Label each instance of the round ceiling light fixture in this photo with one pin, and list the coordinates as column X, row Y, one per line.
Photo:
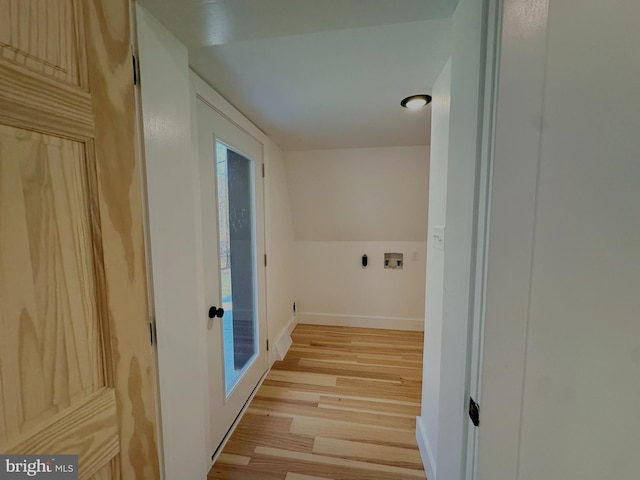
column 414, row 102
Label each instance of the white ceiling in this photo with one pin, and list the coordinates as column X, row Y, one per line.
column 317, row 74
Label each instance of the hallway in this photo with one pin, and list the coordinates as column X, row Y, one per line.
column 340, row 406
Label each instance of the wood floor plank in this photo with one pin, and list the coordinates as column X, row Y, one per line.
column 398, row 361
column 290, row 409
column 224, row 471
column 338, row 462
column 369, row 406
column 283, row 393
column 393, row 371
column 301, row 376
column 354, row 387
column 278, row 465
column 299, row 476
column 265, row 423
column 340, row 406
column 368, row 452
column 349, row 431
column 231, row 459
column 246, row 440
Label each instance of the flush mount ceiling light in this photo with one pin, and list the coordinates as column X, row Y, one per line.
column 415, row 102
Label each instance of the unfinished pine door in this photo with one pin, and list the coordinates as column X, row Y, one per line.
column 75, row 356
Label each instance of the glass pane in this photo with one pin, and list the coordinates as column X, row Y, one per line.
column 237, row 261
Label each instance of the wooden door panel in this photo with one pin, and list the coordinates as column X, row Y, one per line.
column 44, row 36
column 105, row 473
column 32, row 101
column 88, row 429
column 75, row 359
column 52, row 356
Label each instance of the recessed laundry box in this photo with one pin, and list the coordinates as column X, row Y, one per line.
column 393, row 260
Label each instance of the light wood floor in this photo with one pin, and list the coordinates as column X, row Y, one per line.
column 340, row 406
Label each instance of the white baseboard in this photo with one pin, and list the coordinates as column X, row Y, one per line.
column 237, row 420
column 415, row 324
column 282, row 341
column 291, row 326
column 425, row 451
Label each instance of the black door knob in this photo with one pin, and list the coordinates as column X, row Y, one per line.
column 216, row 312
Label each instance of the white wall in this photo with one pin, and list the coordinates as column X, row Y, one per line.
column 171, row 185
column 280, row 245
column 359, row 194
column 427, row 423
column 350, row 202
column 332, row 288
column 561, row 370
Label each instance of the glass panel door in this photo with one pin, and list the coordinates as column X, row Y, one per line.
column 236, row 227
column 232, row 239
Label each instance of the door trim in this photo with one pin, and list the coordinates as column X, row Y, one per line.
column 522, row 39
column 217, row 102
column 481, row 219
column 227, row 117
column 171, row 221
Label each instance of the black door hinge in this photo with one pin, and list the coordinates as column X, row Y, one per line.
column 135, row 69
column 265, row 259
column 474, row 411
column 267, row 344
column 263, row 170
column 151, row 333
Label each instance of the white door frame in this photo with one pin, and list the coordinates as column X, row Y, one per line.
column 170, row 176
column 521, row 50
column 481, row 221
column 462, row 350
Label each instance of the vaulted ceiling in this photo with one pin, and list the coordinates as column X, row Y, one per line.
column 316, row 74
